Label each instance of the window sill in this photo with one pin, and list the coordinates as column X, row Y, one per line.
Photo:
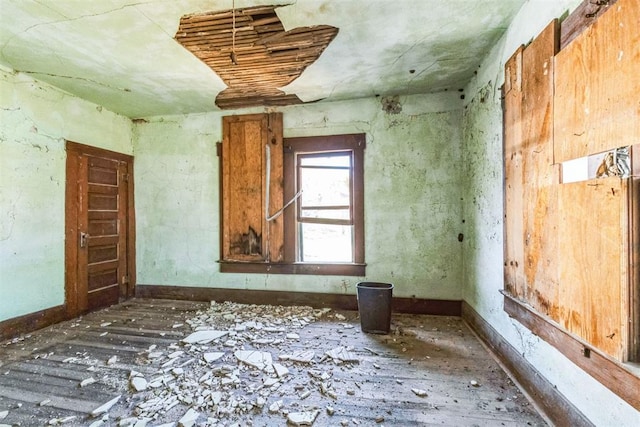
column 293, row 268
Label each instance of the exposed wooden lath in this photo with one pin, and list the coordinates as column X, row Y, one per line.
column 267, row 56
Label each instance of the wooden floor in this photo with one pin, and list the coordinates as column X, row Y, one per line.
column 428, row 371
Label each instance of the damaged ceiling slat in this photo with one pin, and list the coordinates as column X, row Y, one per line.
column 266, row 56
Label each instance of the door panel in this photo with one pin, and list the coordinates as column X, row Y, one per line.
column 98, row 226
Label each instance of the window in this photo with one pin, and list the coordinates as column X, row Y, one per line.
column 326, row 230
column 307, row 217
column 324, row 217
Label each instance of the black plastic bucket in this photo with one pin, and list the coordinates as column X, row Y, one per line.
column 374, row 306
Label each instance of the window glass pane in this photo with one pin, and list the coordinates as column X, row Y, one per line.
column 325, row 243
column 326, row 213
column 343, row 160
column 325, row 187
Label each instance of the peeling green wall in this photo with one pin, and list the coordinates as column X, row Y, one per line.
column 483, row 214
column 412, row 187
column 35, row 120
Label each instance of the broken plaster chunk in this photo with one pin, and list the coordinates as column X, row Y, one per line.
column 189, row 419
column 299, row 356
column 112, row 360
column 212, row 356
column 281, row 371
column 3, row 414
column 204, row 336
column 475, row 383
column 257, row 359
column 330, row 410
column 104, row 408
column 139, row 383
column 419, row 392
column 127, row 422
column 175, row 354
column 87, row 382
column 305, row 418
column 341, row 354
column 216, row 397
column 263, row 341
column 276, row 406
column 293, row 336
column 268, row 382
column 305, row 394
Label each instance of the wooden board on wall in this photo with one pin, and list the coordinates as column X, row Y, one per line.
column 540, row 175
column 593, row 249
column 513, row 164
column 597, row 82
column 246, row 234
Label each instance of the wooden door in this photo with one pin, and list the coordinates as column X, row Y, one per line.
column 99, row 230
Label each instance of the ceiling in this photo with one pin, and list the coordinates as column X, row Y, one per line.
column 124, row 55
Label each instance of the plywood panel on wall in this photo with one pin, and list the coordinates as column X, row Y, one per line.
column 597, row 82
column 593, row 250
column 541, row 176
column 247, row 235
column 514, row 174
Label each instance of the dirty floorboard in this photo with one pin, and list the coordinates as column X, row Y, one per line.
column 265, row 366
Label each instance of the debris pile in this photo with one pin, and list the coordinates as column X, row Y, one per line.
column 235, row 364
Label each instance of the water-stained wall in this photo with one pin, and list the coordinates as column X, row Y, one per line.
column 483, row 214
column 412, row 203
column 36, row 119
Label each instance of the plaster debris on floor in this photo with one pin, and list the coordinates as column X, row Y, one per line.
column 235, row 363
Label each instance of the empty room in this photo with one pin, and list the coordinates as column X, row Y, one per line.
column 319, row 212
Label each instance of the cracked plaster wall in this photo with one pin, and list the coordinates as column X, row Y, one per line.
column 35, row 120
column 412, row 204
column 483, row 214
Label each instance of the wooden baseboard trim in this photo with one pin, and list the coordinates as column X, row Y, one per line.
column 316, row 300
column 11, row 328
column 610, row 373
column 557, row 408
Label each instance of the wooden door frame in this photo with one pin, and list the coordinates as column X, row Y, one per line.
column 74, row 150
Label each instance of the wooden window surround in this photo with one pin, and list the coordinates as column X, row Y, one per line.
column 572, row 250
column 255, row 240
column 350, row 143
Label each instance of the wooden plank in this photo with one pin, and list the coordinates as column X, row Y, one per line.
column 633, row 343
column 513, row 164
column 612, row 374
column 275, row 227
column 583, row 16
column 266, row 56
column 540, row 175
column 593, row 273
column 597, row 80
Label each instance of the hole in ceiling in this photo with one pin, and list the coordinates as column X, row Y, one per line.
column 262, row 56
